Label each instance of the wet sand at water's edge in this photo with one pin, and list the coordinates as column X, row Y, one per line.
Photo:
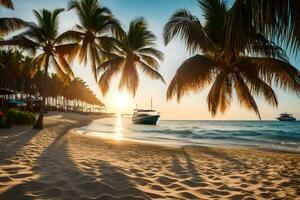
column 56, row 163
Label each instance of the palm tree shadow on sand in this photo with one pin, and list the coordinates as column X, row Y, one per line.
column 189, row 170
column 103, row 182
column 195, row 178
column 14, row 143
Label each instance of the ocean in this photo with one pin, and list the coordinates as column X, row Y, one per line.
column 262, row 134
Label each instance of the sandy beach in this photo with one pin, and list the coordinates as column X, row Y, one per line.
column 56, row 163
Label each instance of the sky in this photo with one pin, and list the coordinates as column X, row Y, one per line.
column 157, row 13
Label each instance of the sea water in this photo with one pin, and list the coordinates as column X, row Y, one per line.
column 263, row 134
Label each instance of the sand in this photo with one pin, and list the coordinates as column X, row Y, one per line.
column 57, row 163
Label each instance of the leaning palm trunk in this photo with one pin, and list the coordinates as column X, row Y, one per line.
column 39, row 123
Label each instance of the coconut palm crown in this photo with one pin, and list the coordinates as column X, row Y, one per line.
column 134, row 51
column 246, row 70
column 93, row 32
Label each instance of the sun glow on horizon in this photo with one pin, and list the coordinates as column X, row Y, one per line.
column 122, row 101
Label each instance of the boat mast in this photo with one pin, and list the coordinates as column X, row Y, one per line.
column 151, row 103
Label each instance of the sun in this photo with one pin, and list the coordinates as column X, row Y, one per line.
column 121, row 100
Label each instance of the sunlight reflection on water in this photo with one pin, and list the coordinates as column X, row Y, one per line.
column 118, row 135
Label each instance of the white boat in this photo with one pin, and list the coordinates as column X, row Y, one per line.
column 286, row 117
column 149, row 117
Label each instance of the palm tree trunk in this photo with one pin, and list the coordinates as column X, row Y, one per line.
column 39, row 122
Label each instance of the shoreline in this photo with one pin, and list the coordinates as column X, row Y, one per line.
column 180, row 143
column 57, row 163
column 196, row 145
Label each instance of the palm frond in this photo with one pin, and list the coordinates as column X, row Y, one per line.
column 259, row 45
column 279, row 20
column 83, row 52
column 47, row 21
column 23, row 43
column 7, row 4
column 107, row 43
column 111, row 62
column 193, row 75
column 64, row 66
column 60, row 73
column 275, row 19
column 150, row 51
column 69, row 50
column 149, row 71
column 220, row 94
column 9, row 25
column 138, row 34
column 70, row 36
column 94, row 59
column 188, row 27
column 215, row 14
column 111, row 71
column 97, row 25
column 240, row 27
column 39, row 61
column 129, row 77
column 244, row 95
column 149, row 60
column 278, row 72
column 251, row 76
column 128, row 51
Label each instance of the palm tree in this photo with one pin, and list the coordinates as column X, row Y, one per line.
column 96, row 23
column 135, row 50
column 276, row 19
column 43, row 37
column 8, row 25
column 248, row 70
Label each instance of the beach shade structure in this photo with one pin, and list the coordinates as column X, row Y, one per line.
column 4, row 91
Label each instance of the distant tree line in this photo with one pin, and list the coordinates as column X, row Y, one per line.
column 19, row 74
